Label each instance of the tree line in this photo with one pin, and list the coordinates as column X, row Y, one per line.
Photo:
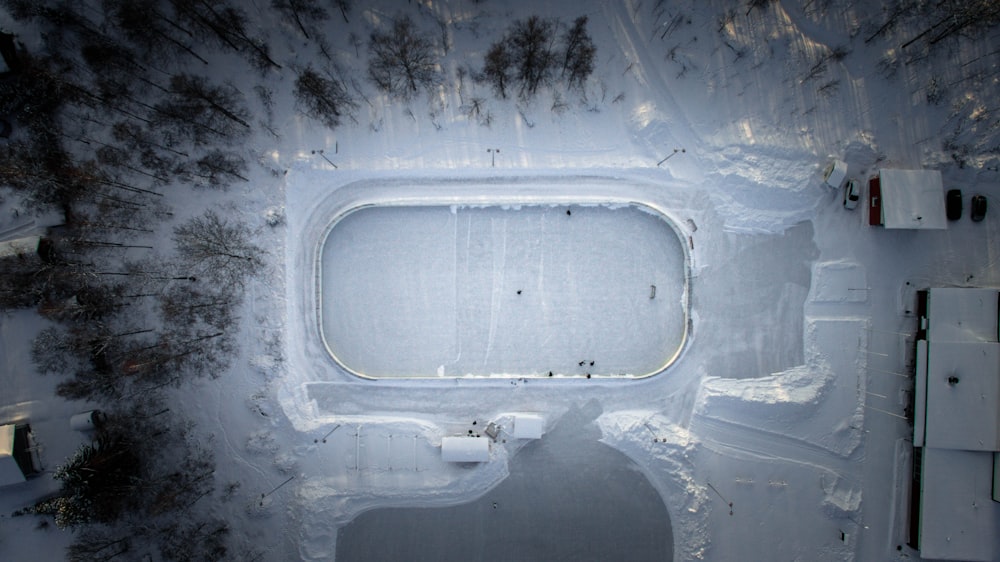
column 111, row 118
column 116, row 113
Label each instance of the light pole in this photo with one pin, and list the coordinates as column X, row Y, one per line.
column 320, row 152
column 676, row 150
column 493, row 152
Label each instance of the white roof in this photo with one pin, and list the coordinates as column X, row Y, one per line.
column 912, row 199
column 835, row 174
column 963, row 414
column 957, row 518
column 528, row 426
column 958, row 423
column 962, row 314
column 10, row 473
column 465, row 449
column 962, row 342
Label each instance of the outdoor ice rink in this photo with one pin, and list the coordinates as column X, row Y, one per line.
column 452, row 291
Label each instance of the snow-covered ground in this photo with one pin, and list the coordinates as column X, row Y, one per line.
column 778, row 432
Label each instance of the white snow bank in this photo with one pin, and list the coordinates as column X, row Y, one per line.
column 797, row 388
column 828, row 390
column 665, row 452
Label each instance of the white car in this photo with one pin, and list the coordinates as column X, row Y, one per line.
column 852, row 194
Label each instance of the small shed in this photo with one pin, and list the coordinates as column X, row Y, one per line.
column 26, row 246
column 835, row 174
column 912, row 199
column 15, row 454
column 465, row 449
column 528, row 426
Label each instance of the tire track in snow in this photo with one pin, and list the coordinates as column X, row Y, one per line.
column 458, row 283
column 498, row 284
column 633, row 47
column 247, row 334
column 742, row 441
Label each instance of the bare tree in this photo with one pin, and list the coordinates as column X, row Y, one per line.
column 762, row 4
column 178, row 354
column 524, row 57
column 216, row 19
column 185, row 539
column 498, row 68
column 402, row 60
column 90, row 303
column 578, row 54
column 322, row 98
column 302, row 12
column 97, row 543
column 29, row 279
column 203, row 111
column 52, row 352
column 955, row 17
column 215, row 248
column 216, row 169
column 189, row 304
column 153, row 30
column 531, row 43
column 344, row 6
column 476, row 109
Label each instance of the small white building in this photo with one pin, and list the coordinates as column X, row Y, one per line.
column 17, row 460
column 955, row 504
column 465, row 449
column 909, row 199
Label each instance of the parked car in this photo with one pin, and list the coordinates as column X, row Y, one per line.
column 978, row 210
column 852, row 194
column 953, row 204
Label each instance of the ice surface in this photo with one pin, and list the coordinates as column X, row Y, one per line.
column 425, row 291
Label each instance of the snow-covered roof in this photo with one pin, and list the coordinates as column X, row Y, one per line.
column 465, row 449
column 963, row 314
column 835, row 174
column 912, row 199
column 962, row 385
column 957, row 517
column 957, row 423
column 18, row 246
column 963, row 394
column 528, row 426
column 10, row 472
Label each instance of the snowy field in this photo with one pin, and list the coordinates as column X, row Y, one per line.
column 779, row 429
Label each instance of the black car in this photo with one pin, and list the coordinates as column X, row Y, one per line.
column 953, row 204
column 978, row 210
